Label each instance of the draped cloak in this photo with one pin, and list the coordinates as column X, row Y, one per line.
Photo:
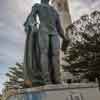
column 32, row 67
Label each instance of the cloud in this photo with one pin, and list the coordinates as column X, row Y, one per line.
column 80, row 7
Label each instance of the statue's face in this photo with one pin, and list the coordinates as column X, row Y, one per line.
column 45, row 1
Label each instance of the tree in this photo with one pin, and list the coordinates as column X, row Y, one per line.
column 15, row 76
column 83, row 53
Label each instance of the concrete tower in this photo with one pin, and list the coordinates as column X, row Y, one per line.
column 63, row 10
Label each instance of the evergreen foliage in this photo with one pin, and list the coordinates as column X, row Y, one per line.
column 15, row 76
column 83, row 53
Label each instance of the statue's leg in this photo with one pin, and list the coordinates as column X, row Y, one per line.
column 56, row 58
column 56, row 64
column 44, row 57
column 44, row 65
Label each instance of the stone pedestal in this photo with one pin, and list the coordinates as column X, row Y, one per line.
column 59, row 92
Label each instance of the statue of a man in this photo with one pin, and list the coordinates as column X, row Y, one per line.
column 43, row 45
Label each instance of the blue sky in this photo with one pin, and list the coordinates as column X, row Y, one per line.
column 12, row 16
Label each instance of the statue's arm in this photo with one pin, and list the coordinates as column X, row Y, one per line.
column 59, row 28
column 31, row 19
column 61, row 33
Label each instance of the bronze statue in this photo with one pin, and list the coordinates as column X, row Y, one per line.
column 41, row 61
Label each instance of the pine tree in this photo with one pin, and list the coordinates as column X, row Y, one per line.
column 15, row 76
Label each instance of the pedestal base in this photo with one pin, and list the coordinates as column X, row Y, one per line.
column 59, row 92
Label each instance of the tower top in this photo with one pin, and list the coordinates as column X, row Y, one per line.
column 62, row 8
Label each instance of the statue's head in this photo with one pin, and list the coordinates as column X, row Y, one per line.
column 45, row 1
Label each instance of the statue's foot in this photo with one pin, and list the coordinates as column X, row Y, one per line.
column 37, row 83
column 27, row 84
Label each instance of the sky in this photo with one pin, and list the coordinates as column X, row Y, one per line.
column 12, row 36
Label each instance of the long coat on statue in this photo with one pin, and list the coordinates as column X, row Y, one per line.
column 32, row 67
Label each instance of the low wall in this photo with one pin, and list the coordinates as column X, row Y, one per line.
column 59, row 92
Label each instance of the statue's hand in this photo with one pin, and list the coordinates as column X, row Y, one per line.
column 65, row 44
column 31, row 28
